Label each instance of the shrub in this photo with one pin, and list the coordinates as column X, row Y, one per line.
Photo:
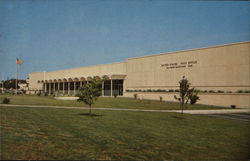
column 211, row 91
column 160, row 90
column 135, row 96
column 239, row 91
column 192, row 95
column 160, row 98
column 219, row 91
column 115, row 95
column 177, row 90
column 246, row 91
column 149, row 90
column 6, row 100
column 171, row 90
column 205, row 91
column 229, row 91
column 127, row 90
column 194, row 99
column 139, row 90
column 233, row 106
column 197, row 90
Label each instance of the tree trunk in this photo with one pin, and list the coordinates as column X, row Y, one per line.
column 90, row 109
column 182, row 103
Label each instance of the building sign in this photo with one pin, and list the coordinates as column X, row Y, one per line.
column 185, row 64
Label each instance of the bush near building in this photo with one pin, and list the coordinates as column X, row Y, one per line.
column 177, row 90
column 5, row 100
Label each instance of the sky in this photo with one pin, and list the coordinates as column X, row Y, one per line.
column 60, row 34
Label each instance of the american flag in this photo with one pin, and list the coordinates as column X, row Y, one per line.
column 19, row 61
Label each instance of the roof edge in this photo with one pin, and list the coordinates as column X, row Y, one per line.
column 187, row 50
column 81, row 67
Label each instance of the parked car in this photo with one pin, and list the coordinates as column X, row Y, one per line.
column 13, row 91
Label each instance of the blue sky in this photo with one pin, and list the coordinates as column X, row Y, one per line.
column 59, row 34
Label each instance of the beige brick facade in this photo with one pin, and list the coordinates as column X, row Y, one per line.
column 224, row 67
column 214, row 68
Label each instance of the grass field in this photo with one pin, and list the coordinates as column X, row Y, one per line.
column 48, row 133
column 104, row 102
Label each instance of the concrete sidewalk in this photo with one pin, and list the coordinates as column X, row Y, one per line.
column 222, row 111
column 198, row 112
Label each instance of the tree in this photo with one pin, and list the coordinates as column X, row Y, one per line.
column 89, row 93
column 186, row 94
column 184, row 90
column 11, row 83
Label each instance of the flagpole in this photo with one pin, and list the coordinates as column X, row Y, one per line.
column 18, row 62
column 16, row 76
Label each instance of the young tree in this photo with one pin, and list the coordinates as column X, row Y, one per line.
column 184, row 90
column 89, row 93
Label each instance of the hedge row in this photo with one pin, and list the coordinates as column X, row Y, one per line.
column 177, row 90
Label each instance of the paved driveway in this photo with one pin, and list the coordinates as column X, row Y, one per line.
column 232, row 116
column 219, row 111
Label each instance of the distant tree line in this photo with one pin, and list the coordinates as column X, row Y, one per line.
column 11, row 83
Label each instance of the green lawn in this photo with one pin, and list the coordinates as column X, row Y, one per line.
column 49, row 133
column 103, row 102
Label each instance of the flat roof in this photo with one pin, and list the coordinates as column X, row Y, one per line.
column 202, row 48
